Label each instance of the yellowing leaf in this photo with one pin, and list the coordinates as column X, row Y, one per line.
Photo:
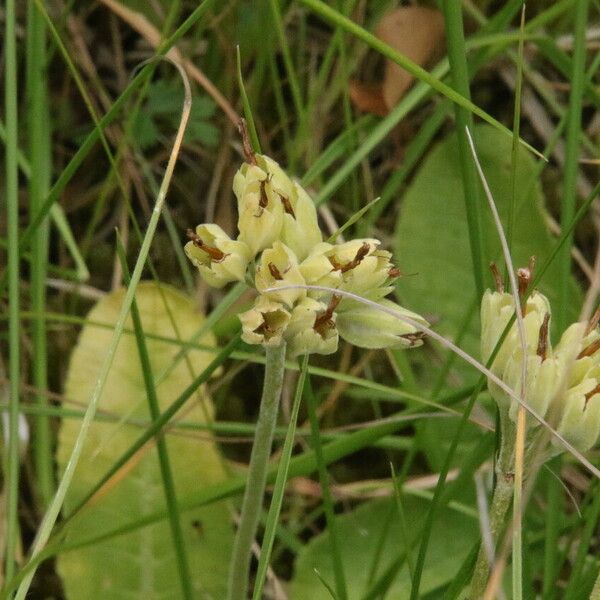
column 417, row 33
column 142, row 564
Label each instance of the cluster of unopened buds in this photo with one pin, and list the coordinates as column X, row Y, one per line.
column 562, row 384
column 280, row 245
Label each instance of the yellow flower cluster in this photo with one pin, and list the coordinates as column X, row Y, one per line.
column 562, row 383
column 280, row 245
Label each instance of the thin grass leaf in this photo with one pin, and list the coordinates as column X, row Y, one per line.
column 510, row 225
column 336, row 556
column 338, row 148
column 463, row 576
column 57, row 214
column 353, row 219
column 403, row 524
column 11, row 457
column 287, row 59
column 583, row 546
column 459, row 74
column 279, row 489
column 439, row 488
column 571, row 166
column 553, row 519
column 38, row 129
column 326, row 584
column 232, row 296
column 517, row 566
column 246, row 104
column 161, row 446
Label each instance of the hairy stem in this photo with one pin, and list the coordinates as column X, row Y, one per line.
column 503, row 494
column 239, row 567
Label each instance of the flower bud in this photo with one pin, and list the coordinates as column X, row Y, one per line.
column 578, row 409
column 364, row 268
column 357, row 266
column 496, row 311
column 317, row 269
column 300, row 230
column 219, row 259
column 544, row 384
column 259, row 189
column 312, row 329
column 368, row 327
column 580, row 412
column 278, row 268
column 545, row 373
column 265, row 322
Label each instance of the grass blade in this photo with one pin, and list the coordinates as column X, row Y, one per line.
column 38, row 129
column 11, row 459
column 280, row 481
column 161, row 445
column 572, row 156
column 459, row 74
column 336, row 557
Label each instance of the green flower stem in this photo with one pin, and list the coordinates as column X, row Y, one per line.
column 503, row 494
column 257, row 475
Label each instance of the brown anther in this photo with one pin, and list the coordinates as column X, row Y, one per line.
column 274, row 272
column 360, row 255
column 542, row 349
column 497, row 277
column 590, row 350
column 287, row 205
column 249, row 154
column 337, row 266
column 591, row 393
column 413, row 338
column 324, row 321
column 215, row 254
column 593, row 322
column 394, row 272
column 263, row 201
column 524, row 279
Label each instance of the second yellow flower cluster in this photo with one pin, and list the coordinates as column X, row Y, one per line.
column 562, row 383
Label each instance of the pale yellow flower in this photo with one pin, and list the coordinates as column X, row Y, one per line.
column 218, row 258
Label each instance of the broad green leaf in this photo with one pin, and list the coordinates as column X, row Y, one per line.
column 142, row 564
column 360, row 532
column 432, row 241
column 432, row 245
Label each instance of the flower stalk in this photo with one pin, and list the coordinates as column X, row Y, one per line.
column 279, row 252
column 501, row 501
column 239, row 567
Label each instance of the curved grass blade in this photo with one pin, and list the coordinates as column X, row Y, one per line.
column 161, row 446
column 53, row 511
